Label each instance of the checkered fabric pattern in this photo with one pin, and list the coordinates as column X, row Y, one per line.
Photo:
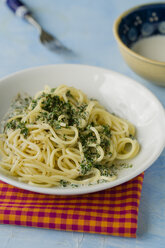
column 113, row 211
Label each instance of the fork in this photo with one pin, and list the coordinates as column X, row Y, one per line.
column 51, row 42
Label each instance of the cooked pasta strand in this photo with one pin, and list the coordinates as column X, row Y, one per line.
column 61, row 137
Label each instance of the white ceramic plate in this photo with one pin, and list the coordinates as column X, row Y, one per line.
column 117, row 93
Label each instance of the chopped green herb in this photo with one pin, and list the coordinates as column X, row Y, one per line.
column 33, row 104
column 85, row 167
column 82, row 107
column 124, row 165
column 11, row 125
column 17, row 124
column 64, row 183
column 131, row 136
column 52, row 90
column 68, row 94
column 74, row 185
column 106, row 130
column 104, row 170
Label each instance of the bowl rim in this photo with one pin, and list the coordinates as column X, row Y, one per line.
column 118, row 39
column 95, row 188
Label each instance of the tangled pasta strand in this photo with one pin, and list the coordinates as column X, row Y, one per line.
column 60, row 137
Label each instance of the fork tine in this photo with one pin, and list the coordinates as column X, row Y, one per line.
column 57, row 48
column 53, row 44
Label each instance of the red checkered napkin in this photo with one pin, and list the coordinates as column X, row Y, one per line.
column 113, row 211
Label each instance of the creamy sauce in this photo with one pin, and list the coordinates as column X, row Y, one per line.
column 151, row 47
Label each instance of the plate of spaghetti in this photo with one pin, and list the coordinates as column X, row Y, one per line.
column 74, row 129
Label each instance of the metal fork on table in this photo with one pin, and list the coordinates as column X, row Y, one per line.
column 51, row 42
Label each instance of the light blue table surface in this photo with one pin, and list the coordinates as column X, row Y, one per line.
column 86, row 27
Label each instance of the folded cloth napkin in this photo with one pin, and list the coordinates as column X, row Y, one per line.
column 113, row 211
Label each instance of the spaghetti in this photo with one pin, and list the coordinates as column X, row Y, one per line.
column 60, row 137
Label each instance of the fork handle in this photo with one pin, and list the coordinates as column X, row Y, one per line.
column 18, row 7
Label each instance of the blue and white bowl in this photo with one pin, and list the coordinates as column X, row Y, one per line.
column 137, row 23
